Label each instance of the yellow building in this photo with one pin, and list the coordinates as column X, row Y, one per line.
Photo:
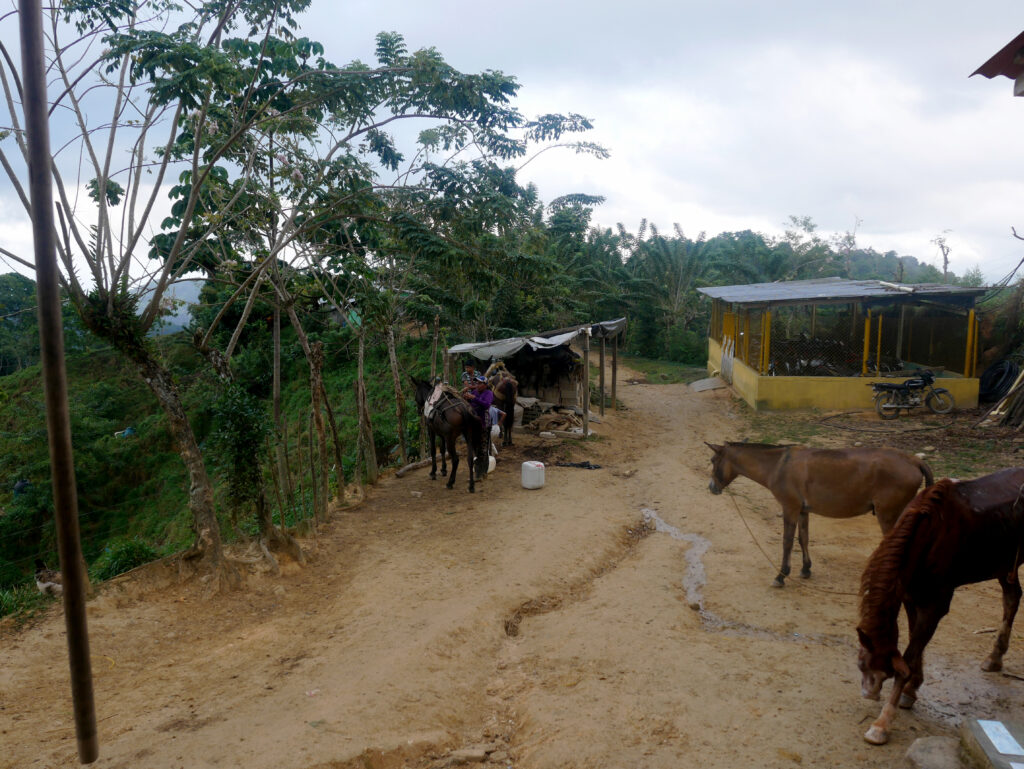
column 819, row 343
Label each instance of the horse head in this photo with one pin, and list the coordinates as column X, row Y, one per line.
column 877, row 664
column 423, row 390
column 722, row 471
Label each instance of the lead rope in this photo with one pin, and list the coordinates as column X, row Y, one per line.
column 803, row 583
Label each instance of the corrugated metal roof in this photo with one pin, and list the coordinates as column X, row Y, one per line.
column 1008, row 61
column 831, row 289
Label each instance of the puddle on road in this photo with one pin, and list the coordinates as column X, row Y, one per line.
column 948, row 693
column 696, row 578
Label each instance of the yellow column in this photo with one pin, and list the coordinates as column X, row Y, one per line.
column 867, row 345
column 878, row 352
column 746, row 337
column 766, row 340
column 969, row 354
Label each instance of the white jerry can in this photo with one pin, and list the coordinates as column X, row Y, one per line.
column 533, row 475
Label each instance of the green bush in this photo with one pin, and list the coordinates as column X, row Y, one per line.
column 119, row 556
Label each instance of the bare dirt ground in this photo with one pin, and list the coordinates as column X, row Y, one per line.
column 618, row 617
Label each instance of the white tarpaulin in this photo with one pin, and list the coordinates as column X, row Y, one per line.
column 502, row 348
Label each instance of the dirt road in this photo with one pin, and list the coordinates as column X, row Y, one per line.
column 618, row 617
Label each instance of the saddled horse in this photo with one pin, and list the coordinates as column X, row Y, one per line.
column 835, row 483
column 505, row 389
column 450, row 418
column 951, row 534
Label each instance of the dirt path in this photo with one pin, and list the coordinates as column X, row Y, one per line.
column 616, row 617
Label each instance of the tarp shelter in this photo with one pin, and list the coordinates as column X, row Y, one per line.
column 575, row 336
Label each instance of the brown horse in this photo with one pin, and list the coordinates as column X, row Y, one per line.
column 951, row 534
column 450, row 418
column 836, row 483
column 505, row 389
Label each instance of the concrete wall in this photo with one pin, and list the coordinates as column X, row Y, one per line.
column 778, row 393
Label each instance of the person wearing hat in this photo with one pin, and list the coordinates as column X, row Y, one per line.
column 468, row 376
column 481, row 398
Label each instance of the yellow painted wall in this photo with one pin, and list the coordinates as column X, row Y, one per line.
column 714, row 356
column 778, row 393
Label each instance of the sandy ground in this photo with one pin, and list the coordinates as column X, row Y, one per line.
column 618, row 617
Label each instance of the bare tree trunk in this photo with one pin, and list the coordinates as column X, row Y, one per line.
column 315, row 358
column 365, row 426
column 208, row 546
column 399, row 395
column 280, row 450
column 272, row 537
column 338, row 451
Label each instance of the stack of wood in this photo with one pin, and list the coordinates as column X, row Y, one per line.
column 1009, row 411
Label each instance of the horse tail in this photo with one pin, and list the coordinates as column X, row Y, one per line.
column 926, row 471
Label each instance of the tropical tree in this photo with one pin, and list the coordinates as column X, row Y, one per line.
column 255, row 126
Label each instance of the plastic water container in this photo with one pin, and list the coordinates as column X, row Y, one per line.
column 533, row 475
column 491, row 464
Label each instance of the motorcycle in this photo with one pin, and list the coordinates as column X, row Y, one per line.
column 890, row 397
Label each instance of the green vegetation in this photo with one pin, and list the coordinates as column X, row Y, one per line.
column 665, row 372
column 335, row 252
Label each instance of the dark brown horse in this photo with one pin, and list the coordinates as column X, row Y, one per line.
column 450, row 418
column 505, row 389
column 951, row 534
column 836, row 483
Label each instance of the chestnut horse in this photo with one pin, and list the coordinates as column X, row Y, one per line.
column 836, row 483
column 951, row 534
column 505, row 389
column 450, row 418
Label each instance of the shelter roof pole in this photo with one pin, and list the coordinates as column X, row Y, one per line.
column 602, row 375
column 615, row 370
column 878, row 352
column 970, row 344
column 867, row 345
column 51, row 340
column 586, row 382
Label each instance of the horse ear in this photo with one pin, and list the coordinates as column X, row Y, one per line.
column 865, row 640
column 713, row 447
column 900, row 665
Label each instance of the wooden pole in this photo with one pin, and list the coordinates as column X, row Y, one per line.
column 586, row 382
column 602, row 375
column 867, row 345
column 878, row 353
column 899, row 332
column 55, row 386
column 615, row 371
column 970, row 344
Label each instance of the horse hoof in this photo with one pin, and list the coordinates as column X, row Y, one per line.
column 449, row 485
column 992, row 666
column 876, row 735
column 779, row 582
column 907, row 701
column 805, row 574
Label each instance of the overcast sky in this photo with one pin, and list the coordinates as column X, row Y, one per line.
column 732, row 115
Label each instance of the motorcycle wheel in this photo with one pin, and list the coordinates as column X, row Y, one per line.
column 885, row 405
column 940, row 400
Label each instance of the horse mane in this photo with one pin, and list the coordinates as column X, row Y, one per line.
column 897, row 555
column 761, row 445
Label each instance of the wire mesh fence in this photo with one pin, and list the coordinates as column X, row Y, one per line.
column 844, row 340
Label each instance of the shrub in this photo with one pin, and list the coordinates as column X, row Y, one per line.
column 120, row 556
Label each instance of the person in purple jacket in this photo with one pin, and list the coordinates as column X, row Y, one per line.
column 481, row 398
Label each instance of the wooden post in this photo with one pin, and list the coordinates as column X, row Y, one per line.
column 586, row 382
column 899, row 332
column 867, row 345
column 878, row 352
column 55, row 386
column 746, row 337
column 602, row 375
column 814, row 320
column 615, row 370
column 766, row 340
column 970, row 344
